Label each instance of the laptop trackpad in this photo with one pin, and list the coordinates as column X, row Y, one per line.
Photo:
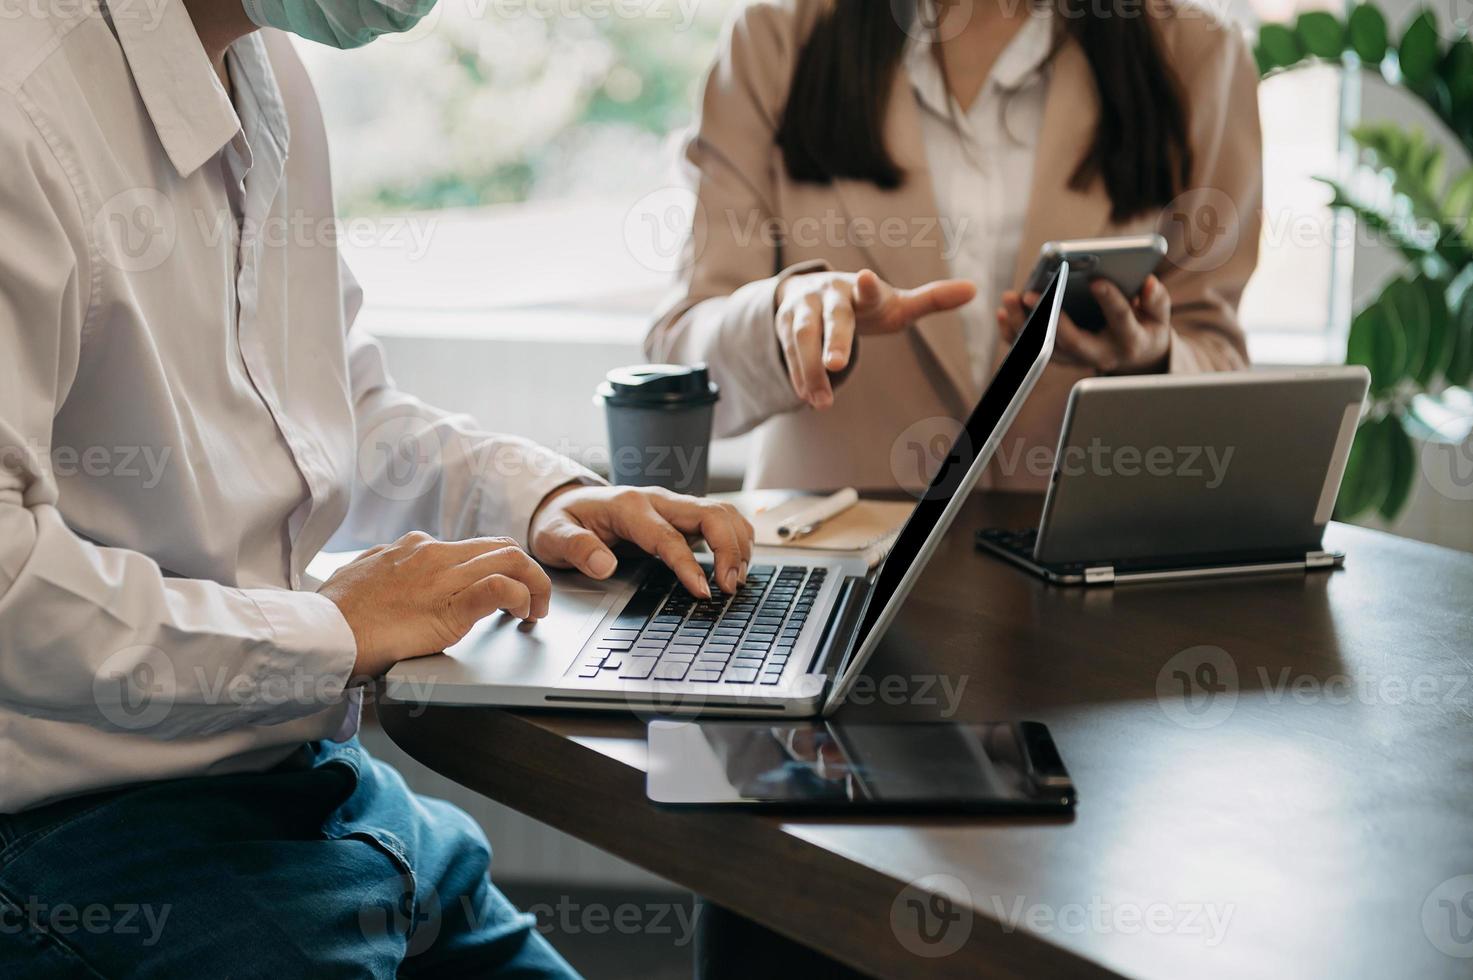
column 501, row 649
column 570, row 621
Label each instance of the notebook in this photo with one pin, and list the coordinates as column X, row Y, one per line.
column 868, row 528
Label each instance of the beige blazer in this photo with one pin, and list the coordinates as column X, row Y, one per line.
column 754, row 225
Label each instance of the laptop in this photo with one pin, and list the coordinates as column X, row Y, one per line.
column 1174, row 477
column 791, row 642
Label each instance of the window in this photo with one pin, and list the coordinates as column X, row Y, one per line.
column 490, row 160
column 1294, row 305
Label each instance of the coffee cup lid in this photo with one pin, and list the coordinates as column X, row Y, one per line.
column 659, row 386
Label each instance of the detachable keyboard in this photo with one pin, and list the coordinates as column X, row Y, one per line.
column 666, row 633
column 1020, row 543
column 1018, row 547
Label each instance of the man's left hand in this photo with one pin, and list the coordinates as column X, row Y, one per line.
column 576, row 526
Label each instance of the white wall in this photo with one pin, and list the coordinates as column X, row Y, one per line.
column 532, row 373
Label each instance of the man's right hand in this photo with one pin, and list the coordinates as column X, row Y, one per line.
column 819, row 314
column 418, row 596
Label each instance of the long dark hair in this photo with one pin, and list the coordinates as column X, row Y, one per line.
column 834, row 122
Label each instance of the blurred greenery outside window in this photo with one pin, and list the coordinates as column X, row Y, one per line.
column 505, row 101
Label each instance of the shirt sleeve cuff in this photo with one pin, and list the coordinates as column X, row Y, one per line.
column 552, row 471
column 313, row 653
column 754, row 306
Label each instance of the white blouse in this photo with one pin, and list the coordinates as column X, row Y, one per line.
column 981, row 164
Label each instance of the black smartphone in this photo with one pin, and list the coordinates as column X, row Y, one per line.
column 992, row 767
column 1126, row 261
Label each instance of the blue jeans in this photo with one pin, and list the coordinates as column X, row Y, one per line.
column 326, row 866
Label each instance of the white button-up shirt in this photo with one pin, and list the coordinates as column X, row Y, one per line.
column 981, row 166
column 186, row 417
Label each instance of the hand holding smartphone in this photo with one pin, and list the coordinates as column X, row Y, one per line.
column 1127, row 261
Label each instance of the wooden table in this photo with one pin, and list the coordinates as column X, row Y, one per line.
column 1310, row 818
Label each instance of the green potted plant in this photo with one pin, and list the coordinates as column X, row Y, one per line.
column 1416, row 337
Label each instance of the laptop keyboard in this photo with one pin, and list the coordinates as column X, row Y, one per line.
column 666, row 633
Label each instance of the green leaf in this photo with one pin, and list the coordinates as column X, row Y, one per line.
column 1321, row 34
column 1417, row 53
column 1413, row 244
column 1367, row 29
column 1433, row 91
column 1414, row 164
column 1456, row 70
column 1377, row 343
column 1279, row 47
column 1264, row 62
column 1431, row 168
column 1460, row 361
column 1367, row 476
column 1406, row 306
column 1440, row 337
column 1400, row 460
column 1457, row 204
column 1386, row 141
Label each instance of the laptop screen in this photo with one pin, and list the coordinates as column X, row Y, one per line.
column 951, row 475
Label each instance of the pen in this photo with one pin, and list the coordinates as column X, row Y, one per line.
column 808, row 520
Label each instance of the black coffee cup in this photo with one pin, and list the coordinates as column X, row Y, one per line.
column 659, row 418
